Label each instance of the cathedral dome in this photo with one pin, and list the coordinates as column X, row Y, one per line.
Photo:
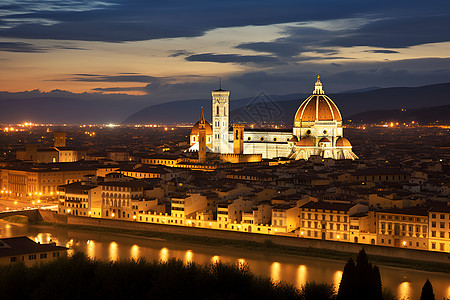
column 293, row 139
column 324, row 140
column 317, row 107
column 305, row 142
column 194, row 130
column 343, row 142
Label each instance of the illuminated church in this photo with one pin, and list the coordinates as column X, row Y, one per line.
column 317, row 131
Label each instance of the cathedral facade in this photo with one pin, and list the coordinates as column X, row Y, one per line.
column 317, row 130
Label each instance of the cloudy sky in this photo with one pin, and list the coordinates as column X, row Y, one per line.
column 171, row 50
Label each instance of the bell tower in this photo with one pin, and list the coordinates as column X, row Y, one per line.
column 220, row 116
column 202, row 138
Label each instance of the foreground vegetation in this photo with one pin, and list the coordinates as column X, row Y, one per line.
column 79, row 277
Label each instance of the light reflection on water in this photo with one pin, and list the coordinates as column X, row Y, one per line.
column 188, row 257
column 405, row 283
column 113, row 251
column 337, row 279
column 275, row 270
column 404, row 291
column 164, row 254
column 134, row 252
column 215, row 259
column 302, row 275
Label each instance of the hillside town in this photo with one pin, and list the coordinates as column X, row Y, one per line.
column 372, row 200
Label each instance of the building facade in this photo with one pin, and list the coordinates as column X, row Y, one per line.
column 317, row 130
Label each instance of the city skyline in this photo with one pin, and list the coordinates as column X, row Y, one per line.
column 178, row 51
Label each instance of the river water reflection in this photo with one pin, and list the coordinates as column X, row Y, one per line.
column 405, row 283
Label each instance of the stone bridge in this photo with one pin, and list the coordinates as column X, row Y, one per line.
column 32, row 214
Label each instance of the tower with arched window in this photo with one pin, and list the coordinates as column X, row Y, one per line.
column 220, row 115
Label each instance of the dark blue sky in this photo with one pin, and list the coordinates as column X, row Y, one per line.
column 170, row 50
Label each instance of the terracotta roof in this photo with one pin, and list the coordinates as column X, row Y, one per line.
column 318, row 108
column 305, row 142
column 194, row 130
column 293, row 139
column 415, row 210
column 343, row 142
column 23, row 245
column 324, row 140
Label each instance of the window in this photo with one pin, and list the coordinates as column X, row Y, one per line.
column 13, row 259
column 433, row 245
column 262, row 139
column 43, row 255
column 32, row 257
column 55, row 254
column 441, row 246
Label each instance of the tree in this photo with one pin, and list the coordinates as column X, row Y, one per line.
column 317, row 291
column 360, row 281
column 348, row 278
column 427, row 291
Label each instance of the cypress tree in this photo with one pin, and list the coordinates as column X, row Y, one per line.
column 360, row 281
column 377, row 284
column 427, row 291
column 348, row 281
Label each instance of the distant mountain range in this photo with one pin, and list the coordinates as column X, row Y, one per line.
column 61, row 107
column 283, row 108
column 425, row 115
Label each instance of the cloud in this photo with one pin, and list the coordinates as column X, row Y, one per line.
column 398, row 32
column 234, row 58
column 137, row 20
column 177, row 53
column 381, row 51
column 119, row 89
column 20, row 47
column 31, row 48
column 121, row 77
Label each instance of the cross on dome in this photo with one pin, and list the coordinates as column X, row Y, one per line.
column 318, row 87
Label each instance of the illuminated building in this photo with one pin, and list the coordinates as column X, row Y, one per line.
column 439, row 227
column 317, row 131
column 58, row 153
column 328, row 221
column 406, row 228
column 42, row 179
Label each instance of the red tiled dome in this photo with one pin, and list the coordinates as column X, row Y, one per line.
column 343, row 142
column 318, row 107
column 293, row 139
column 305, row 142
column 194, row 130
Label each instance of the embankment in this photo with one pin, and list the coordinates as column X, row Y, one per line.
column 288, row 245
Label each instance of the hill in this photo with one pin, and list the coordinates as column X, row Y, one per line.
column 425, row 115
column 281, row 109
column 61, row 107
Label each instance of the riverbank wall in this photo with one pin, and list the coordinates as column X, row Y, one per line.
column 301, row 243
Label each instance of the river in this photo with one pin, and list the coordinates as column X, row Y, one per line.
column 404, row 283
